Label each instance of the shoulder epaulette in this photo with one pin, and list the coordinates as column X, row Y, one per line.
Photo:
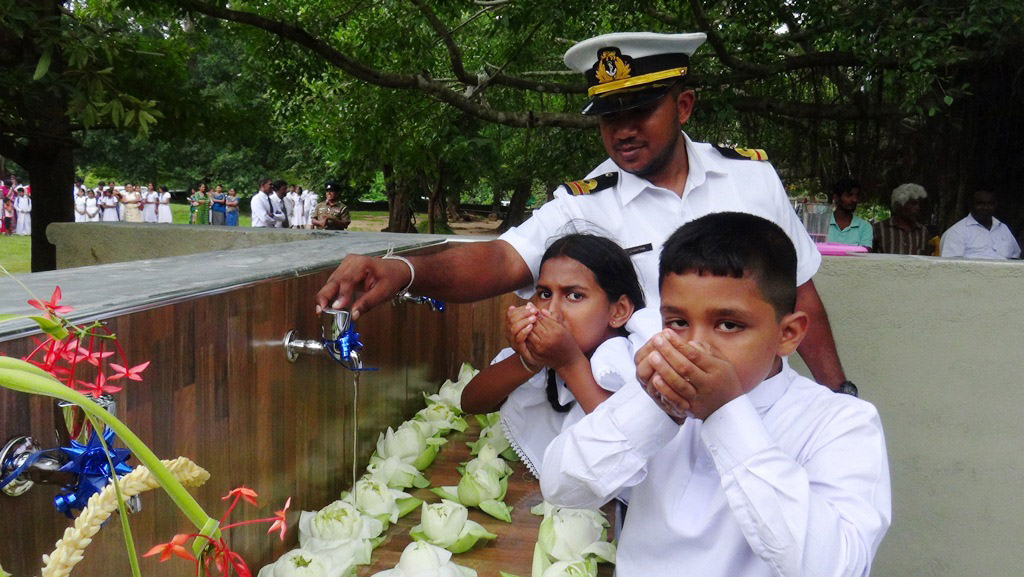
column 742, row 153
column 596, row 184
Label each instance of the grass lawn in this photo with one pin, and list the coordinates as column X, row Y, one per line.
column 15, row 253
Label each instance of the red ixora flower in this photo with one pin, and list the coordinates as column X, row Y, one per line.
column 175, row 546
column 51, row 305
column 280, row 523
column 132, row 373
column 98, row 387
column 243, row 492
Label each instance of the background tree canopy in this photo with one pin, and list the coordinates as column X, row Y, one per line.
column 444, row 99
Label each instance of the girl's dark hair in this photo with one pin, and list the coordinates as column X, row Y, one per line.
column 610, row 264
column 552, row 390
column 613, row 272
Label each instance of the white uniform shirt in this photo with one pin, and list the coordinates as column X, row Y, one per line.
column 788, row 480
column 529, row 421
column 635, row 213
column 970, row 239
column 265, row 213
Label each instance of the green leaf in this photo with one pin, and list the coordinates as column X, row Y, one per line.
column 51, row 327
column 948, row 100
column 407, row 505
column 5, row 318
column 497, row 509
column 44, row 63
column 446, row 493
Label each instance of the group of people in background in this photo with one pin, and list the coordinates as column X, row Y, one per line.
column 978, row 235
column 217, row 207
column 109, row 203
column 278, row 204
column 16, row 211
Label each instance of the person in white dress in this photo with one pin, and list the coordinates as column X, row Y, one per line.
column 293, row 204
column 80, row 199
column 152, row 199
column 309, row 201
column 23, row 206
column 92, row 208
column 163, row 215
column 108, row 205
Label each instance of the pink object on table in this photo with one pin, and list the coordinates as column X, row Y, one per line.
column 837, row 249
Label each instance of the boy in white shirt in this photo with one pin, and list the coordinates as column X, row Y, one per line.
column 739, row 466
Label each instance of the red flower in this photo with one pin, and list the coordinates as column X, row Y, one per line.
column 174, row 547
column 280, row 523
column 132, row 373
column 94, row 358
column 99, row 386
column 51, row 305
column 242, row 492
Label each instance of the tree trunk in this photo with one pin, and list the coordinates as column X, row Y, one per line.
column 399, row 202
column 517, row 205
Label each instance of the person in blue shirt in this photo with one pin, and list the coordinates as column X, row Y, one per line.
column 845, row 227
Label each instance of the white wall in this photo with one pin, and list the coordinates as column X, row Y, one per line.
column 937, row 345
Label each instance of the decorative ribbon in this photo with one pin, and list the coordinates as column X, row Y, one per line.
column 89, row 463
column 341, row 349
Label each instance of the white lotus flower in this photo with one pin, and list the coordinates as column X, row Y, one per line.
column 396, row 474
column 450, row 394
column 421, row 559
column 446, row 524
column 377, row 500
column 488, row 457
column 443, row 417
column 466, row 374
column 572, row 535
column 407, row 443
column 493, row 436
column 481, row 488
column 302, row 563
column 340, row 532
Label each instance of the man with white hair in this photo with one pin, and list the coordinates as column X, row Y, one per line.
column 902, row 233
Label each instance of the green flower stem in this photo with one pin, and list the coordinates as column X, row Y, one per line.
column 27, row 378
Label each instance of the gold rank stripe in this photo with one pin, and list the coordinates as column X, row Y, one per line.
column 636, row 81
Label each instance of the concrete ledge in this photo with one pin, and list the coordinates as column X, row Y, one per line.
column 109, row 290
column 86, row 244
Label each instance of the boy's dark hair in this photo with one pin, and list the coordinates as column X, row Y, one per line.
column 612, row 270
column 735, row 244
column 844, row 184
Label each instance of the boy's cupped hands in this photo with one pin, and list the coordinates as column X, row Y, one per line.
column 685, row 378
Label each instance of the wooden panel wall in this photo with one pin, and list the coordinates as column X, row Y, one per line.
column 221, row 392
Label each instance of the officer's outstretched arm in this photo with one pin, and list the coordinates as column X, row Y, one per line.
column 466, row 272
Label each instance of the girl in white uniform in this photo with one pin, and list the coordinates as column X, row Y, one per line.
column 23, row 206
column 80, row 198
column 92, row 207
column 149, row 209
column 570, row 350
column 163, row 214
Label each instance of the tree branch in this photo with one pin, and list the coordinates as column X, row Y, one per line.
column 11, row 148
column 384, row 79
column 454, row 54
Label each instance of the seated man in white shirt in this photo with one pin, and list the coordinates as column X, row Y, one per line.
column 738, row 465
column 980, row 234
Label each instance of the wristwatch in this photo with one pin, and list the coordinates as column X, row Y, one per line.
column 847, row 388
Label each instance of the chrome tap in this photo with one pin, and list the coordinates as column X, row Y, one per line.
column 337, row 339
